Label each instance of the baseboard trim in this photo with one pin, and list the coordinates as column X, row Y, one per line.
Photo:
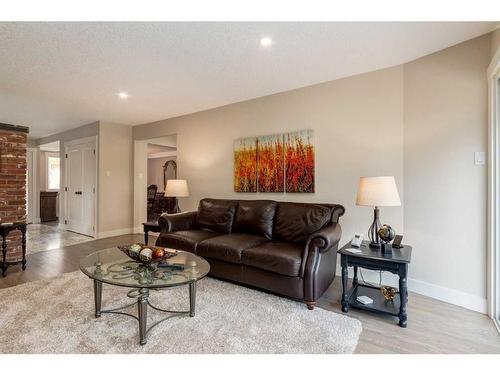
column 453, row 296
column 114, row 233
column 497, row 324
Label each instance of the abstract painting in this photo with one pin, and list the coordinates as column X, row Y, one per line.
column 299, row 162
column 245, row 165
column 270, row 164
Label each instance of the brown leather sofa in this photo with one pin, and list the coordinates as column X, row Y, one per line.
column 286, row 248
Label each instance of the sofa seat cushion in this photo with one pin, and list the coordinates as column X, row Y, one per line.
column 284, row 258
column 187, row 240
column 228, row 248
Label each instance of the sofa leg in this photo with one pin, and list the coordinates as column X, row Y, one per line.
column 310, row 304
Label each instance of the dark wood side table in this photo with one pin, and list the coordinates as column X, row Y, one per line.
column 150, row 226
column 373, row 259
column 5, row 229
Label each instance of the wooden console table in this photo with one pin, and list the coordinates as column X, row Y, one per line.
column 5, row 229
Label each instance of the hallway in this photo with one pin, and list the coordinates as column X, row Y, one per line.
column 43, row 237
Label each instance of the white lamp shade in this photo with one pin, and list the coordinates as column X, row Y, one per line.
column 176, row 188
column 378, row 191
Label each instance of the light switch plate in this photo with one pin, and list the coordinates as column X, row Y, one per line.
column 479, row 158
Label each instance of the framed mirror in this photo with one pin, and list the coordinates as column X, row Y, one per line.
column 169, row 171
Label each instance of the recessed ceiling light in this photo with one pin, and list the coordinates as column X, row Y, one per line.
column 266, row 42
column 123, row 95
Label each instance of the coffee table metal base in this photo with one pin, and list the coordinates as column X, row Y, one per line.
column 142, row 296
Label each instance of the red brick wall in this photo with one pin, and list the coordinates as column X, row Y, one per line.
column 13, row 185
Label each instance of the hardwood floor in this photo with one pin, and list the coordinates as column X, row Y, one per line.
column 433, row 326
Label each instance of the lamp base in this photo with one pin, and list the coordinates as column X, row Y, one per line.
column 177, row 209
column 373, row 230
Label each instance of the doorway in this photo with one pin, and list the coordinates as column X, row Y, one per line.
column 49, row 181
column 45, row 200
column 154, row 161
column 80, row 186
column 162, row 166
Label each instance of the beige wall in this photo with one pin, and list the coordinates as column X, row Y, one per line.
column 89, row 130
column 445, row 100
column 495, row 41
column 358, row 125
column 115, row 179
column 155, row 171
column 421, row 121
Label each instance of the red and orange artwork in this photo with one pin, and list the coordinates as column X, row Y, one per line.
column 245, row 165
column 299, row 162
column 270, row 164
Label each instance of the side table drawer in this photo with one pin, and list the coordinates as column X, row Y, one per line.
column 370, row 264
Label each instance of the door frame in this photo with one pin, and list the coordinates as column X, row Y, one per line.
column 67, row 144
column 493, row 76
column 32, row 194
column 141, row 177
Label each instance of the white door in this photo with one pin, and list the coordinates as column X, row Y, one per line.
column 80, row 187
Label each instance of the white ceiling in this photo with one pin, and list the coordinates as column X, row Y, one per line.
column 57, row 76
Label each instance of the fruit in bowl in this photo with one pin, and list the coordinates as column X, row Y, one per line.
column 135, row 248
column 158, row 252
column 146, row 254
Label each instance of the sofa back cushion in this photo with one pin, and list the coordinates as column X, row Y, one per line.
column 216, row 215
column 294, row 222
column 255, row 217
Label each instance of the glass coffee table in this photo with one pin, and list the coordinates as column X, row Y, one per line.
column 111, row 266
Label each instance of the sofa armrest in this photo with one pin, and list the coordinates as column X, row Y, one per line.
column 175, row 222
column 319, row 261
column 318, row 243
column 324, row 239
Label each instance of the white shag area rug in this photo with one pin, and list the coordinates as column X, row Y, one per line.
column 57, row 316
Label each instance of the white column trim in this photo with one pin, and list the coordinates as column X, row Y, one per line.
column 33, row 188
column 493, row 191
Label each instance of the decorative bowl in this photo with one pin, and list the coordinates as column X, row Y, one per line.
column 388, row 292
column 137, row 256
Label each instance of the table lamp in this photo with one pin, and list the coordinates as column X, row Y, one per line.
column 378, row 192
column 176, row 189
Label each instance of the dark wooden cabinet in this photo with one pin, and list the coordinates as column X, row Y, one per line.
column 48, row 204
